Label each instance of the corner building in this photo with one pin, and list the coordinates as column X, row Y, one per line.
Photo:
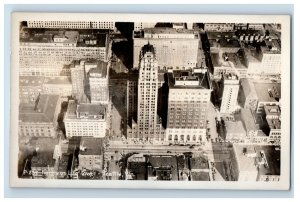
column 189, row 97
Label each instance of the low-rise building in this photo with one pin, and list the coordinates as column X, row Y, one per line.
column 219, row 27
column 40, row 119
column 90, row 155
column 44, row 159
column 85, row 119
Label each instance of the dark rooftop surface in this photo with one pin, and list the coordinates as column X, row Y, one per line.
column 43, row 111
column 199, row 163
column 93, row 146
column 78, row 36
column 200, row 176
column 44, row 154
column 101, row 69
column 273, row 160
column 185, row 75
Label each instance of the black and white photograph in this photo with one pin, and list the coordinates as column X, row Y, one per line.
column 150, row 101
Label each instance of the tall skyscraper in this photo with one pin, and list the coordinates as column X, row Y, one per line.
column 230, row 86
column 189, row 97
column 147, row 94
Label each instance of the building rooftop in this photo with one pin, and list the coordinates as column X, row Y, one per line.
column 272, row 47
column 100, row 71
column 199, row 163
column 25, row 81
column 156, row 32
column 91, row 146
column 245, row 156
column 272, row 110
column 274, row 123
column 79, row 37
column 248, row 120
column 271, row 157
column 268, row 92
column 224, row 59
column 235, row 127
column 248, row 87
column 85, row 111
column 163, row 161
column 44, row 152
column 42, row 111
column 58, row 80
column 188, row 79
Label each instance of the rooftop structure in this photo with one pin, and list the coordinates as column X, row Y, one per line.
column 85, row 111
column 91, row 146
column 268, row 92
column 189, row 79
column 166, row 32
column 83, row 38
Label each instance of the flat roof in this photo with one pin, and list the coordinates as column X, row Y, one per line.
column 101, row 69
column 45, row 150
column 168, row 30
column 163, row 161
column 58, row 80
column 268, row 92
column 201, row 78
column 88, row 110
column 31, row 81
column 272, row 156
column 245, row 163
column 235, row 127
column 199, row 163
column 248, row 120
column 248, row 87
column 93, row 146
column 42, row 111
column 78, row 36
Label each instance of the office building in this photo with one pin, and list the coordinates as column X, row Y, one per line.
column 78, row 78
column 86, row 120
column 149, row 127
column 273, row 118
column 39, row 119
column 98, row 83
column 90, row 155
column 219, row 27
column 230, row 89
column 188, row 100
column 174, row 48
column 71, row 24
column 45, row 52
